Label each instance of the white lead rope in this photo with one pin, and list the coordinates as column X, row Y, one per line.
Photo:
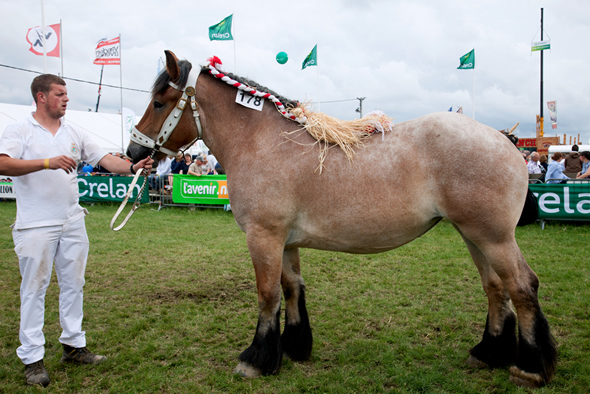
column 136, row 204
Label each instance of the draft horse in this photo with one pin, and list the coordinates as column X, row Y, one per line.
column 394, row 190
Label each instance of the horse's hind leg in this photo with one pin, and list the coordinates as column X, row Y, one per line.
column 498, row 345
column 265, row 354
column 297, row 339
column 537, row 355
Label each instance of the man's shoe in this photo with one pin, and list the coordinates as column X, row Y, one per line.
column 80, row 355
column 35, row 373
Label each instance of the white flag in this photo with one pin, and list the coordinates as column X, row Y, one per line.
column 108, row 52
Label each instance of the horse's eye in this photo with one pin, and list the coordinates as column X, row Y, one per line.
column 158, row 105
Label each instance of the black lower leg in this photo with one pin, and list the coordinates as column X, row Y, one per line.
column 541, row 356
column 297, row 339
column 498, row 351
column 265, row 352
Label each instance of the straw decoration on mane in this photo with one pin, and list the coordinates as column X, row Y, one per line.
column 347, row 134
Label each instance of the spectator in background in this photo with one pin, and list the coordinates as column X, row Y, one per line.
column 206, row 166
column 211, row 159
column 555, row 170
column 533, row 165
column 572, row 161
column 585, row 172
column 543, row 162
column 157, row 180
column 188, row 160
column 175, row 167
column 196, row 168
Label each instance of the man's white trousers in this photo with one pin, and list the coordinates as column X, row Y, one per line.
column 37, row 249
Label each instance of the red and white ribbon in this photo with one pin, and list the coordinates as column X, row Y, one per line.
column 213, row 61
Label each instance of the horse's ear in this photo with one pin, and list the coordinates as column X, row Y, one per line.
column 172, row 65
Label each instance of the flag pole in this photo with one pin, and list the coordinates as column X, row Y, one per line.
column 43, row 37
column 61, row 47
column 318, row 72
column 234, row 40
column 121, row 83
column 473, row 93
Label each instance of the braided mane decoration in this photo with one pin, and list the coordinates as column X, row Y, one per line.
column 324, row 128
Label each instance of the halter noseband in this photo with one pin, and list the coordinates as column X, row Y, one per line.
column 173, row 118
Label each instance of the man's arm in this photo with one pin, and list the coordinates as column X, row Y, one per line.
column 120, row 166
column 16, row 167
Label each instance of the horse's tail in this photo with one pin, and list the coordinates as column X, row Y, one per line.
column 530, row 211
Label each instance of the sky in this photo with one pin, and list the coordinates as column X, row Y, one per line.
column 402, row 56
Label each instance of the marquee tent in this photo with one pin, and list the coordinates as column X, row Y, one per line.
column 105, row 129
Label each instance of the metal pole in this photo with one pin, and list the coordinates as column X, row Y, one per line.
column 360, row 108
column 99, row 88
column 541, row 106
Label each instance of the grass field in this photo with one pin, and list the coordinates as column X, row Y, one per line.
column 171, row 300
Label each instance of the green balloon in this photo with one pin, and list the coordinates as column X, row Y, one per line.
column 282, row 58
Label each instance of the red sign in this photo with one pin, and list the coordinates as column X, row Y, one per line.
column 527, row 143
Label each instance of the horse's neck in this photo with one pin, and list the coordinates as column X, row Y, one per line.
column 232, row 132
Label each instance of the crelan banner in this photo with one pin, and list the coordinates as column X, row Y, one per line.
column 563, row 201
column 206, row 189
column 108, row 188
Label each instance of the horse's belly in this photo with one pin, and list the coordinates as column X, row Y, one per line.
column 364, row 237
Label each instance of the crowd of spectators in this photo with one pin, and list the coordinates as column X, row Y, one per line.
column 576, row 164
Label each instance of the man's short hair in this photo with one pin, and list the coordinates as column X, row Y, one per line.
column 42, row 83
column 575, row 148
column 535, row 154
column 586, row 154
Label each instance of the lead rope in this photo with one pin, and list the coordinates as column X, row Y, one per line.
column 137, row 202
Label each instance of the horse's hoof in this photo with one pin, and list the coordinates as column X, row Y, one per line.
column 246, row 370
column 476, row 363
column 525, row 379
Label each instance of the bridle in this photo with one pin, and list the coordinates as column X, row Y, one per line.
column 188, row 93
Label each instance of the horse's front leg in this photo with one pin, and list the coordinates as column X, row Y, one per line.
column 265, row 354
column 297, row 339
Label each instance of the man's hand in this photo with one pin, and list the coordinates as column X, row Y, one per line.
column 63, row 162
column 145, row 164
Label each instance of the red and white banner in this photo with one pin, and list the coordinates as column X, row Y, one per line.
column 35, row 38
column 108, row 52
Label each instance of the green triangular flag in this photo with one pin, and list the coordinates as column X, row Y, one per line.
column 467, row 61
column 312, row 58
column 222, row 30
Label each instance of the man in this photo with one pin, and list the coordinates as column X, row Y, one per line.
column 585, row 172
column 196, row 168
column 162, row 171
column 533, row 165
column 572, row 161
column 41, row 153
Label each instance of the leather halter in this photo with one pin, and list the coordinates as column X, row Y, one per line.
column 188, row 93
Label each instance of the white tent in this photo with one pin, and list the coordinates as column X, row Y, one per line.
column 105, row 129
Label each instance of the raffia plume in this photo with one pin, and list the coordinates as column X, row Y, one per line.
column 347, row 134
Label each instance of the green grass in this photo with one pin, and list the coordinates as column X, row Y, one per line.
column 171, row 300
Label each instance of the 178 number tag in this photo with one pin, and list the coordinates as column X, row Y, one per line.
column 249, row 101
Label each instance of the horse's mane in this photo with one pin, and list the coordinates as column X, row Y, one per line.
column 286, row 102
column 161, row 82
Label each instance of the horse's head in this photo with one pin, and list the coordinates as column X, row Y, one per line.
column 171, row 121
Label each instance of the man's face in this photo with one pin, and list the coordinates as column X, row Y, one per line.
column 56, row 101
column 534, row 158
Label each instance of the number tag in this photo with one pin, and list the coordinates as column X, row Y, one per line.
column 247, row 100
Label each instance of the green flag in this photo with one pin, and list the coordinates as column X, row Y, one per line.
column 312, row 58
column 467, row 61
column 222, row 30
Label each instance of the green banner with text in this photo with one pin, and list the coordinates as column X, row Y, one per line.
column 109, row 188
column 563, row 201
column 205, row 189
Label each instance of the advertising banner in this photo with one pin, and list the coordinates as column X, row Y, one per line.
column 109, row 188
column 205, row 189
column 563, row 201
column 7, row 189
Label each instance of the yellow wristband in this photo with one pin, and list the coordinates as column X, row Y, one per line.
column 46, row 164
